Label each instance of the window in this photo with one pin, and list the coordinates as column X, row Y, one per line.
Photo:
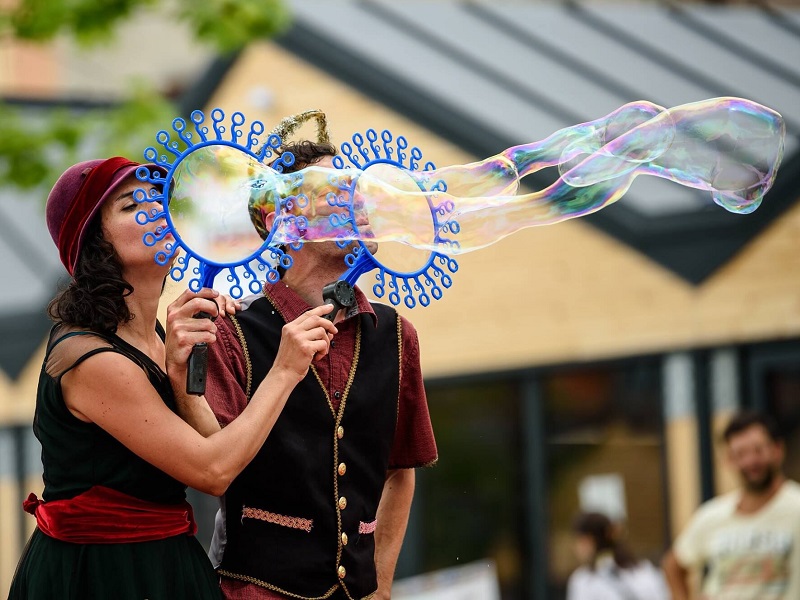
column 469, row 505
column 481, row 500
column 603, row 426
column 774, row 377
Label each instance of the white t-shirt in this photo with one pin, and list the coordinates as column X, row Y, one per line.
column 749, row 557
column 608, row 582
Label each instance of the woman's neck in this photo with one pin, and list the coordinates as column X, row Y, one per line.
column 143, row 307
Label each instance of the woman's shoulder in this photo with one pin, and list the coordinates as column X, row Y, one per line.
column 69, row 346
column 61, row 332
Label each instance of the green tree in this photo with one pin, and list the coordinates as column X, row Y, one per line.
column 36, row 150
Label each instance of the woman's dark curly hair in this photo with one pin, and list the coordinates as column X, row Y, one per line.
column 95, row 298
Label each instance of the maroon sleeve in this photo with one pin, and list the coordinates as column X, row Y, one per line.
column 227, row 374
column 414, row 444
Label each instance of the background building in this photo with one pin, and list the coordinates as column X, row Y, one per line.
column 592, row 361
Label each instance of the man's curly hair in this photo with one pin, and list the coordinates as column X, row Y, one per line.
column 305, row 153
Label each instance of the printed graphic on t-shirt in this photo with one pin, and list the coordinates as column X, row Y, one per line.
column 749, row 565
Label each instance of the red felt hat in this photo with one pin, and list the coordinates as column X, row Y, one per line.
column 78, row 195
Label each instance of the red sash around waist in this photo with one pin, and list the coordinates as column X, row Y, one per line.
column 105, row 516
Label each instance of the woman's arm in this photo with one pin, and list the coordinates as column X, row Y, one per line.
column 197, row 413
column 113, row 392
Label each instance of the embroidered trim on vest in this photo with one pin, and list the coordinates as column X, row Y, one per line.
column 274, row 588
column 248, row 366
column 351, row 377
column 322, row 385
column 271, row 517
column 367, row 527
column 400, row 358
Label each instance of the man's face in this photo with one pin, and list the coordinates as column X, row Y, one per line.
column 756, row 456
column 319, row 208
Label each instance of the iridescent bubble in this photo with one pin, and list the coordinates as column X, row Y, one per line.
column 208, row 202
column 727, row 146
column 730, row 147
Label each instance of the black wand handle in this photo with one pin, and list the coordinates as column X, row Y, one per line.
column 340, row 294
column 197, row 367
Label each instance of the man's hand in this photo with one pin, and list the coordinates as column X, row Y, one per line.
column 227, row 305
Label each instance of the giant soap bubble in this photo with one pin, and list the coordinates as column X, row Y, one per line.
column 729, row 147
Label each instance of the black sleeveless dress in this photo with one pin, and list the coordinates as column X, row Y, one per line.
column 78, row 455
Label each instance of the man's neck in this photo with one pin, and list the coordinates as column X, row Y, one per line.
column 751, row 501
column 308, row 282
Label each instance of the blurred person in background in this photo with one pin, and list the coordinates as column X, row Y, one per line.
column 609, row 570
column 748, row 540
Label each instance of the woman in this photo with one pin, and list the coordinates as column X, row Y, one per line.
column 609, row 571
column 114, row 522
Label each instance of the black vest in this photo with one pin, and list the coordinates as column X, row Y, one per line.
column 317, row 480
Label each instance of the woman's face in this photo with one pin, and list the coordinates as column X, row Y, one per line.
column 118, row 220
column 584, row 548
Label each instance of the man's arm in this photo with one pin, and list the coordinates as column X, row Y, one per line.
column 392, row 517
column 226, row 379
column 677, row 576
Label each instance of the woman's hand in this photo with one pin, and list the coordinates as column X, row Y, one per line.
column 306, row 338
column 184, row 329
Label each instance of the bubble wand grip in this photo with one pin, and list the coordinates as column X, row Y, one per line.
column 197, row 367
column 340, row 294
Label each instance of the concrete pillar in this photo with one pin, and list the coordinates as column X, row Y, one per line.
column 725, row 401
column 682, row 451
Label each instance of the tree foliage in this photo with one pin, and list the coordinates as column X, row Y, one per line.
column 37, row 144
column 231, row 24
column 35, row 148
column 227, row 24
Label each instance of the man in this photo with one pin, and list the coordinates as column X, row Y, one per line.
column 748, row 540
column 322, row 509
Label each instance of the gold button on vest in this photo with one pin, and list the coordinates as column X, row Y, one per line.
column 342, row 469
column 342, row 503
column 344, row 539
column 341, row 572
column 340, row 432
